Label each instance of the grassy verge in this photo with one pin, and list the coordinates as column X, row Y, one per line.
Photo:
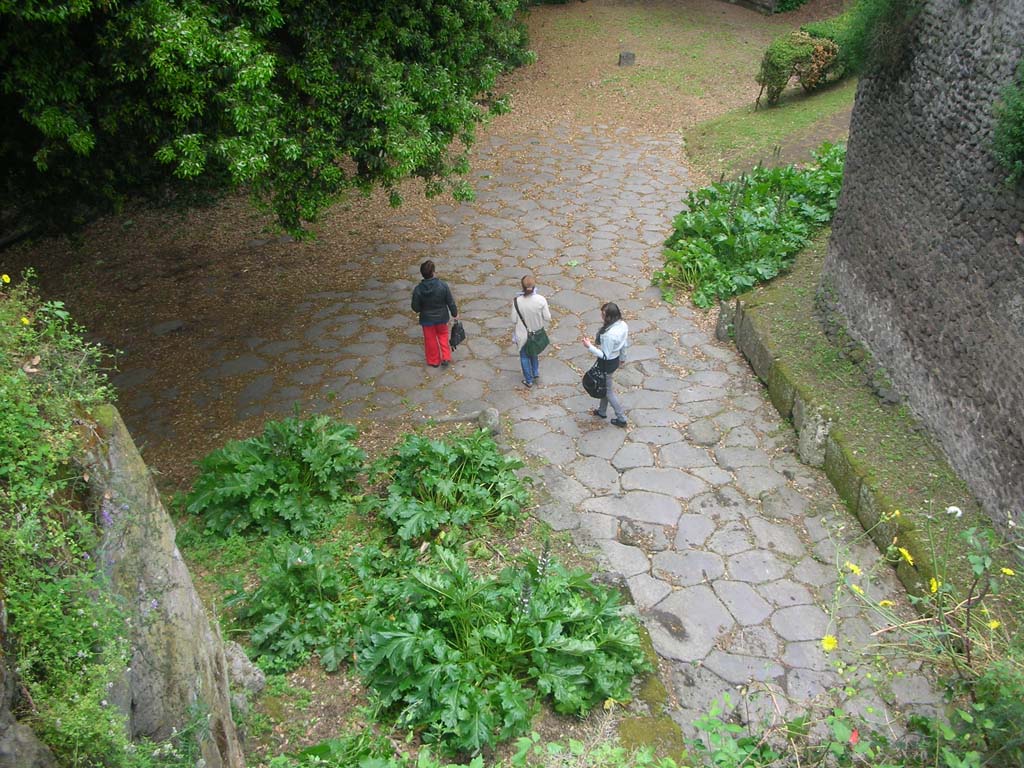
column 884, row 444
column 739, row 140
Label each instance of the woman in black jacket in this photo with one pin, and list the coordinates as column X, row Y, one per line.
column 432, row 298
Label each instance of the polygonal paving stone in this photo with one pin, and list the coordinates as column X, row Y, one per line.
column 807, row 654
column 714, row 476
column 687, row 623
column 637, row 505
column 778, row 538
column 602, row 443
column 693, row 531
column 757, row 567
column 629, row 561
column 684, row 456
column 723, row 505
column 754, row 481
column 559, row 515
column 756, row 640
column 655, row 435
column 632, row 455
column 801, row 622
column 694, row 394
column 814, row 573
column 561, row 486
column 558, row 449
column 696, row 690
column 740, row 670
column 647, row 591
column 647, row 398
column 731, row 539
column 648, row 417
column 785, row 593
column 804, row 685
column 734, row 458
column 598, row 527
column 529, row 430
column 915, row 689
column 647, row 536
column 743, row 602
column 740, row 437
column 689, row 567
column 671, row 482
column 783, row 503
column 595, row 474
column 703, row 432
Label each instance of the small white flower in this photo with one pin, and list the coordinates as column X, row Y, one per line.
column 955, row 511
column 103, row 703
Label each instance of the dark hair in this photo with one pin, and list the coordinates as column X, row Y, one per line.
column 427, row 269
column 611, row 315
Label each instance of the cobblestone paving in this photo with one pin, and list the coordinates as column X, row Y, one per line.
column 728, row 544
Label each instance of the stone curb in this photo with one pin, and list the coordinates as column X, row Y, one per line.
column 822, row 443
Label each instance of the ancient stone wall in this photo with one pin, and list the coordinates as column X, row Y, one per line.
column 926, row 260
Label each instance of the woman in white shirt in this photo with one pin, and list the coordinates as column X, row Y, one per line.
column 609, row 346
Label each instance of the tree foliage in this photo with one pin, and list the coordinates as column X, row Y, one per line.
column 297, row 101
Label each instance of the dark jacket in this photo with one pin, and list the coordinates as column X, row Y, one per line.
column 433, row 300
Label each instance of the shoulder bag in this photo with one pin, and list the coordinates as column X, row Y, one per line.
column 594, row 381
column 536, row 341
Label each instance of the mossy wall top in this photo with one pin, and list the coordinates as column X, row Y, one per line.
column 926, row 260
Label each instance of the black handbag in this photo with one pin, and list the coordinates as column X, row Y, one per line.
column 595, row 381
column 458, row 334
column 536, row 341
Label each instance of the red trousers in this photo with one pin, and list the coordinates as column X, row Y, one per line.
column 435, row 343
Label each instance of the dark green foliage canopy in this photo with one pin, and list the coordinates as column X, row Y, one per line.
column 298, row 100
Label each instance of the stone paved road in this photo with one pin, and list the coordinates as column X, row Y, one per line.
column 722, row 535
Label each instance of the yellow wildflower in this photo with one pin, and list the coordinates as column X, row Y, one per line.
column 906, row 555
column 994, row 624
column 853, row 568
column 895, row 513
column 829, row 643
column 25, row 321
column 934, row 585
column 5, row 278
column 886, row 604
column 857, row 588
column 1007, row 571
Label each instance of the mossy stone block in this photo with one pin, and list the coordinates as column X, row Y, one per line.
column 781, row 389
column 751, row 341
column 842, row 470
column 875, row 512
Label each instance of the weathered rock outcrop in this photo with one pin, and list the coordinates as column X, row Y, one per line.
column 926, row 260
column 178, row 673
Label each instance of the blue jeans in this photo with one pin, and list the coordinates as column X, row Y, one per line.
column 531, row 366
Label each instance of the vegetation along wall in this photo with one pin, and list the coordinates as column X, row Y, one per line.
column 926, row 260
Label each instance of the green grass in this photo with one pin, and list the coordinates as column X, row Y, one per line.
column 899, row 457
column 738, row 140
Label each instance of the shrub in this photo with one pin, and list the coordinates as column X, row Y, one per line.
column 814, row 61
column 788, row 5
column 463, row 658
column 438, row 483
column 735, row 234
column 66, row 633
column 1008, row 140
column 294, row 478
column 299, row 608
